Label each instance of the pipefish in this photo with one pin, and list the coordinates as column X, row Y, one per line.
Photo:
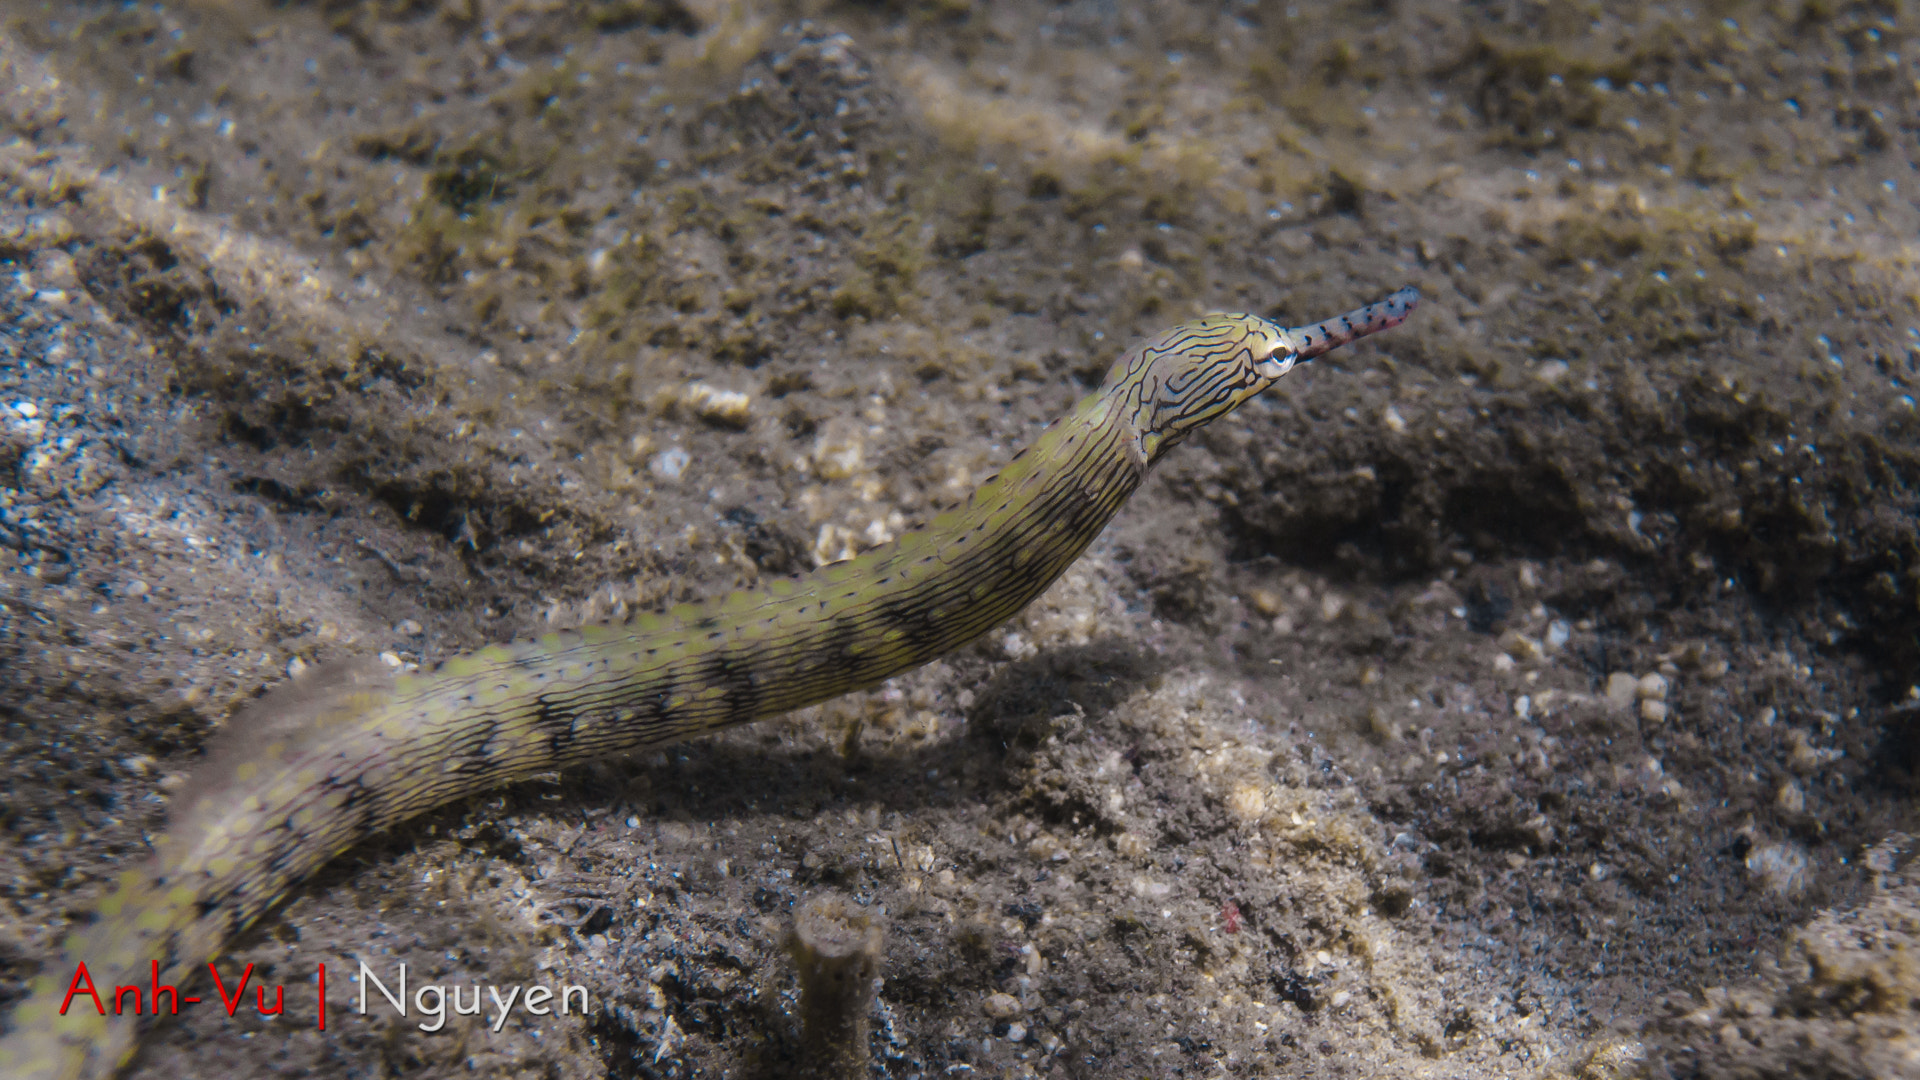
column 318, row 765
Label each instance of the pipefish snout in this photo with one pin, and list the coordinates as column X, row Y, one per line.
column 316, row 766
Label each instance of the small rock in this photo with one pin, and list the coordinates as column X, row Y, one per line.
column 1266, row 601
column 1521, row 647
column 1652, row 687
column 838, row 451
column 1247, row 803
column 1802, row 758
column 409, row 628
column 1047, row 848
column 724, row 408
column 1653, row 712
column 1790, row 798
column 1621, row 689
column 668, row 464
column 296, row 667
column 1779, row 868
column 1002, row 1006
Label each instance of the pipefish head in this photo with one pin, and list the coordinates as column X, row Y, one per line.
column 1197, row 372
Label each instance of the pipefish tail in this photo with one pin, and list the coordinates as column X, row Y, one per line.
column 316, row 766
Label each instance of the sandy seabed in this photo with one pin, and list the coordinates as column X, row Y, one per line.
column 1528, row 691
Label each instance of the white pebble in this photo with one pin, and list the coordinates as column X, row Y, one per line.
column 668, row 464
column 839, row 451
column 1017, row 647
column 409, row 628
column 1780, row 868
column 1652, row 687
column 717, row 406
column 1247, row 802
column 1002, row 1006
column 1016, row 1032
column 296, row 667
column 27, row 409
column 1621, row 688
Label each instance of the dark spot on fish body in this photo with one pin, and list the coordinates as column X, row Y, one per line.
column 741, row 692
column 557, row 722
